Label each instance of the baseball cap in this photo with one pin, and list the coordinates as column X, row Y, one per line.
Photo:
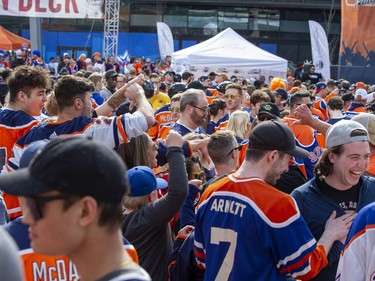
column 368, row 121
column 36, row 52
column 275, row 135
column 75, row 166
column 269, row 108
column 360, row 85
column 110, row 74
column 96, row 54
column 143, row 181
column 360, row 94
column 65, row 55
column 348, row 96
column 171, row 72
column 282, row 92
column 320, row 86
column 18, row 52
column 342, row 133
column 31, row 150
column 196, row 85
column 221, row 87
column 202, row 78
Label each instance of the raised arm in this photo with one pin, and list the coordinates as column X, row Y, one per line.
column 118, row 97
column 303, row 113
column 137, row 96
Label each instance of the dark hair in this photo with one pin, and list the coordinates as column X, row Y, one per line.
column 297, row 97
column 216, row 105
column 69, row 87
column 255, row 154
column 135, row 153
column 259, row 96
column 335, row 103
column 110, row 215
column 324, row 167
column 186, row 75
column 189, row 164
column 25, row 78
column 6, row 73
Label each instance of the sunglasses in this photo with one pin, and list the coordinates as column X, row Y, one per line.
column 226, row 96
column 235, row 148
column 174, row 109
column 36, row 204
column 265, row 117
column 309, row 105
column 200, row 175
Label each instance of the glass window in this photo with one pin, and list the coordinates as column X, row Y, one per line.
column 144, row 20
column 264, row 20
column 236, row 18
column 175, row 21
column 202, row 18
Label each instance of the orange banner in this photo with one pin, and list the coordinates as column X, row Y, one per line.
column 357, row 48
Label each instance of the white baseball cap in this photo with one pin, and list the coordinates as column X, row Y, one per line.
column 360, row 94
column 342, row 133
column 368, row 121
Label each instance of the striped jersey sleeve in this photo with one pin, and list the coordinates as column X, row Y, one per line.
column 357, row 261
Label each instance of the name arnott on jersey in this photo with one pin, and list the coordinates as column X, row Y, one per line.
column 228, row 206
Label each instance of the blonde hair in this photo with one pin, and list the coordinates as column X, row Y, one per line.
column 51, row 105
column 239, row 123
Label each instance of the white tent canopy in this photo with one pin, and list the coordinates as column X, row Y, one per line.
column 229, row 52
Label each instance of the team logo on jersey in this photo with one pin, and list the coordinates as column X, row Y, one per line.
column 53, row 135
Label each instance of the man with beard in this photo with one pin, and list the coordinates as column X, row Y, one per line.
column 240, row 235
column 194, row 111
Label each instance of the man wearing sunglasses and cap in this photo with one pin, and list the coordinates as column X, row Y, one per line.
column 72, row 213
column 241, row 236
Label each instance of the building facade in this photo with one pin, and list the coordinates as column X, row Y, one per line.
column 278, row 26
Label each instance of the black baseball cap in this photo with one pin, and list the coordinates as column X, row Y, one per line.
column 269, row 108
column 202, row 78
column 275, row 135
column 75, row 166
column 171, row 72
column 282, row 92
column 347, row 97
column 197, row 85
column 110, row 74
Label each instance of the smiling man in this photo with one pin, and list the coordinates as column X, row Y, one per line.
column 339, row 184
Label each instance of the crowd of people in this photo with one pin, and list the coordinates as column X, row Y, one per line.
column 136, row 172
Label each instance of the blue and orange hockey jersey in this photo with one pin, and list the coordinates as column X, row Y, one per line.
column 241, row 236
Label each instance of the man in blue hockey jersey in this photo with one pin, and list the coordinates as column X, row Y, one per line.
column 245, row 229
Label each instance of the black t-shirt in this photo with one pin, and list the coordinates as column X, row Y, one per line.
column 347, row 199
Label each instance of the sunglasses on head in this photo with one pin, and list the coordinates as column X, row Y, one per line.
column 235, row 148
